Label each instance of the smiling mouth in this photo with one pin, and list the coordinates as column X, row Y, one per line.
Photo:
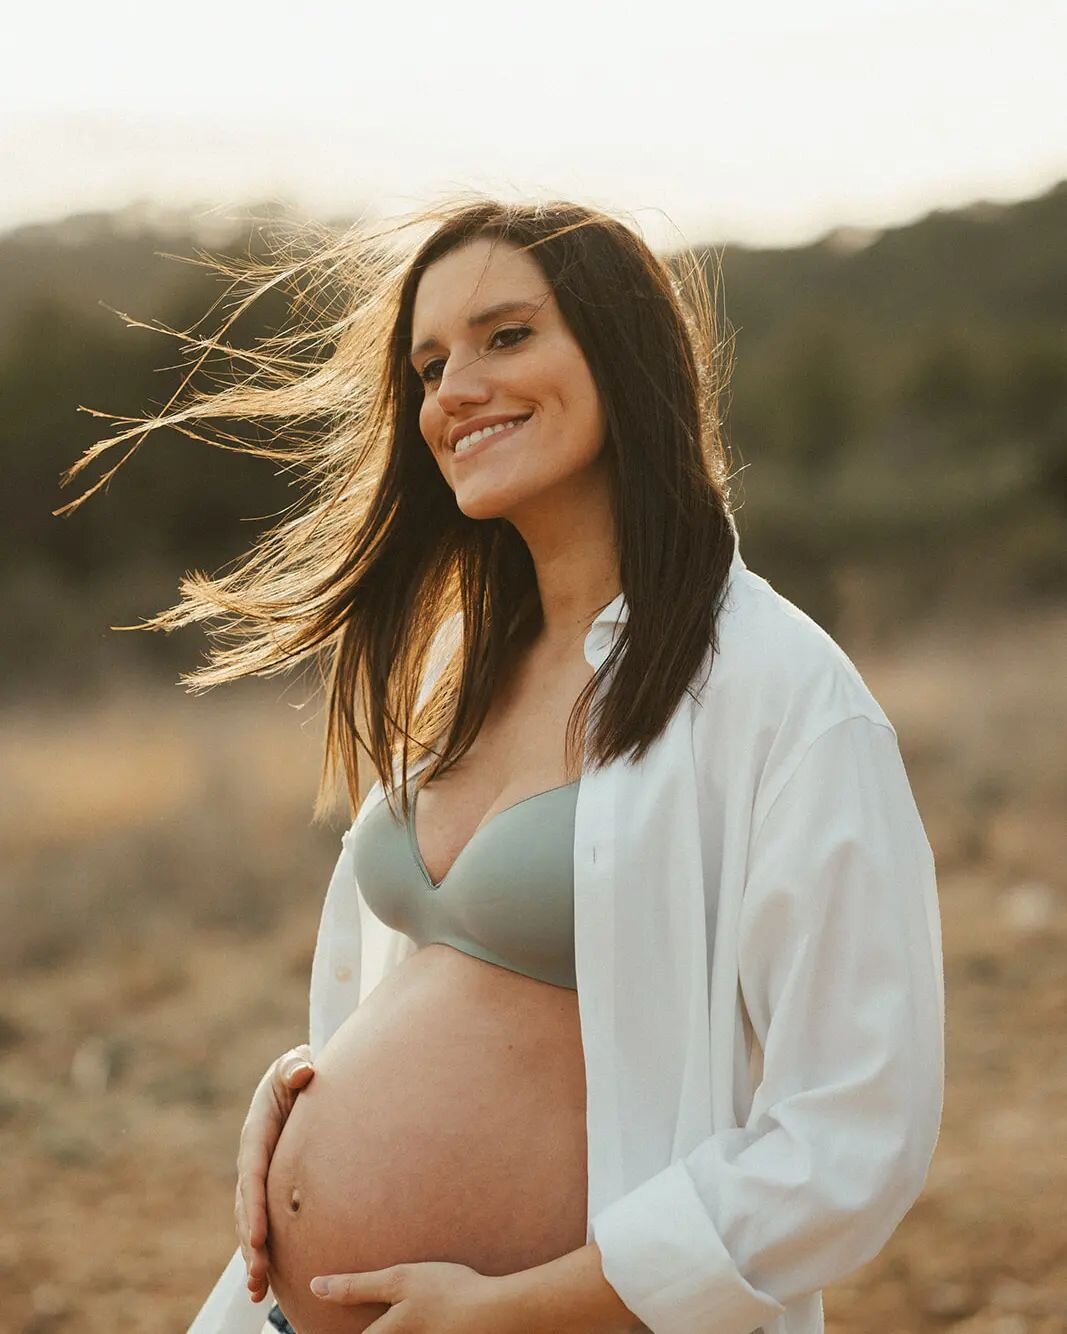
column 490, row 439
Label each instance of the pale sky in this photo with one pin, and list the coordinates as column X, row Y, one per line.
column 762, row 121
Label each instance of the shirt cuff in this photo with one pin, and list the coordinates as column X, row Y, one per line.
column 664, row 1258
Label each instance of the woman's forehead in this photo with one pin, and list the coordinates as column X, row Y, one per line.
column 464, row 290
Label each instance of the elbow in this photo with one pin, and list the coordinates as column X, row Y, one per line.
column 844, row 1233
column 919, row 1123
column 901, row 1135
column 911, row 1167
column 895, row 1179
column 859, row 1197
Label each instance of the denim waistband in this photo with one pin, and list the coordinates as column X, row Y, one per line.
column 276, row 1317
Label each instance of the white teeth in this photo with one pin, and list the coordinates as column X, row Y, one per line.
column 467, row 441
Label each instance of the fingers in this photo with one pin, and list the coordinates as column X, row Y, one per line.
column 257, row 1270
column 250, row 1218
column 260, row 1131
column 300, row 1076
column 257, row 1285
column 294, row 1070
column 255, row 1258
column 252, row 1187
column 241, row 1227
column 270, row 1107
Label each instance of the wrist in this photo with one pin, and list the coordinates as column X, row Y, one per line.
column 569, row 1295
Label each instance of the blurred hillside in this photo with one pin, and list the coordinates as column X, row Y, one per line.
column 897, row 414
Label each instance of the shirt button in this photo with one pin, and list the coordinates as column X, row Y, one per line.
column 343, row 973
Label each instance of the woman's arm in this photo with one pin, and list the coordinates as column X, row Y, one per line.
column 841, row 971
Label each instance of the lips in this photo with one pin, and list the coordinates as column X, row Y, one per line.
column 493, row 437
column 482, row 423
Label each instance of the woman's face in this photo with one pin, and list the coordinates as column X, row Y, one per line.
column 519, row 363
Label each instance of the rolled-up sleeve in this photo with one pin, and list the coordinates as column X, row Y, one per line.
column 840, row 966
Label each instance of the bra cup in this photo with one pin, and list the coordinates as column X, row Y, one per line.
column 383, row 871
column 508, row 897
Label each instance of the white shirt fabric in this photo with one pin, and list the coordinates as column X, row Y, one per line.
column 760, row 985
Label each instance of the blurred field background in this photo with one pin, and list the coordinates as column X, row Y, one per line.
column 898, row 418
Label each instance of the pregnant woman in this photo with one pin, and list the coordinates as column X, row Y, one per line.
column 627, row 1004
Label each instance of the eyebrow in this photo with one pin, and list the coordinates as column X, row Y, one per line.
column 483, row 317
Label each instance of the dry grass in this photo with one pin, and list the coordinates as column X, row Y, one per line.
column 161, row 887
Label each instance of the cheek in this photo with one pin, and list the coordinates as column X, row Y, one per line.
column 587, row 410
column 576, row 389
column 429, row 429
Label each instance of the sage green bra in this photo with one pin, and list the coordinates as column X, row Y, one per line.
column 508, row 898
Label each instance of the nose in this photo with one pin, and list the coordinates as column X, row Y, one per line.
column 463, row 381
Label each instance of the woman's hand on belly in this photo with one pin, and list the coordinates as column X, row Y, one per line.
column 431, row 1295
column 269, row 1110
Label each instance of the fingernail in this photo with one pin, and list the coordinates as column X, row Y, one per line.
column 320, row 1287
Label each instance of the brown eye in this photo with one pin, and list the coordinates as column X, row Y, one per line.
column 522, row 329
column 427, row 374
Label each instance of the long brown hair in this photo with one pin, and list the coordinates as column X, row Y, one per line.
column 363, row 574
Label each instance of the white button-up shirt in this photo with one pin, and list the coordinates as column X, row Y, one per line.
column 760, row 985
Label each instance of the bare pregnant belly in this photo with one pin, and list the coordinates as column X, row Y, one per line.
column 445, row 1121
